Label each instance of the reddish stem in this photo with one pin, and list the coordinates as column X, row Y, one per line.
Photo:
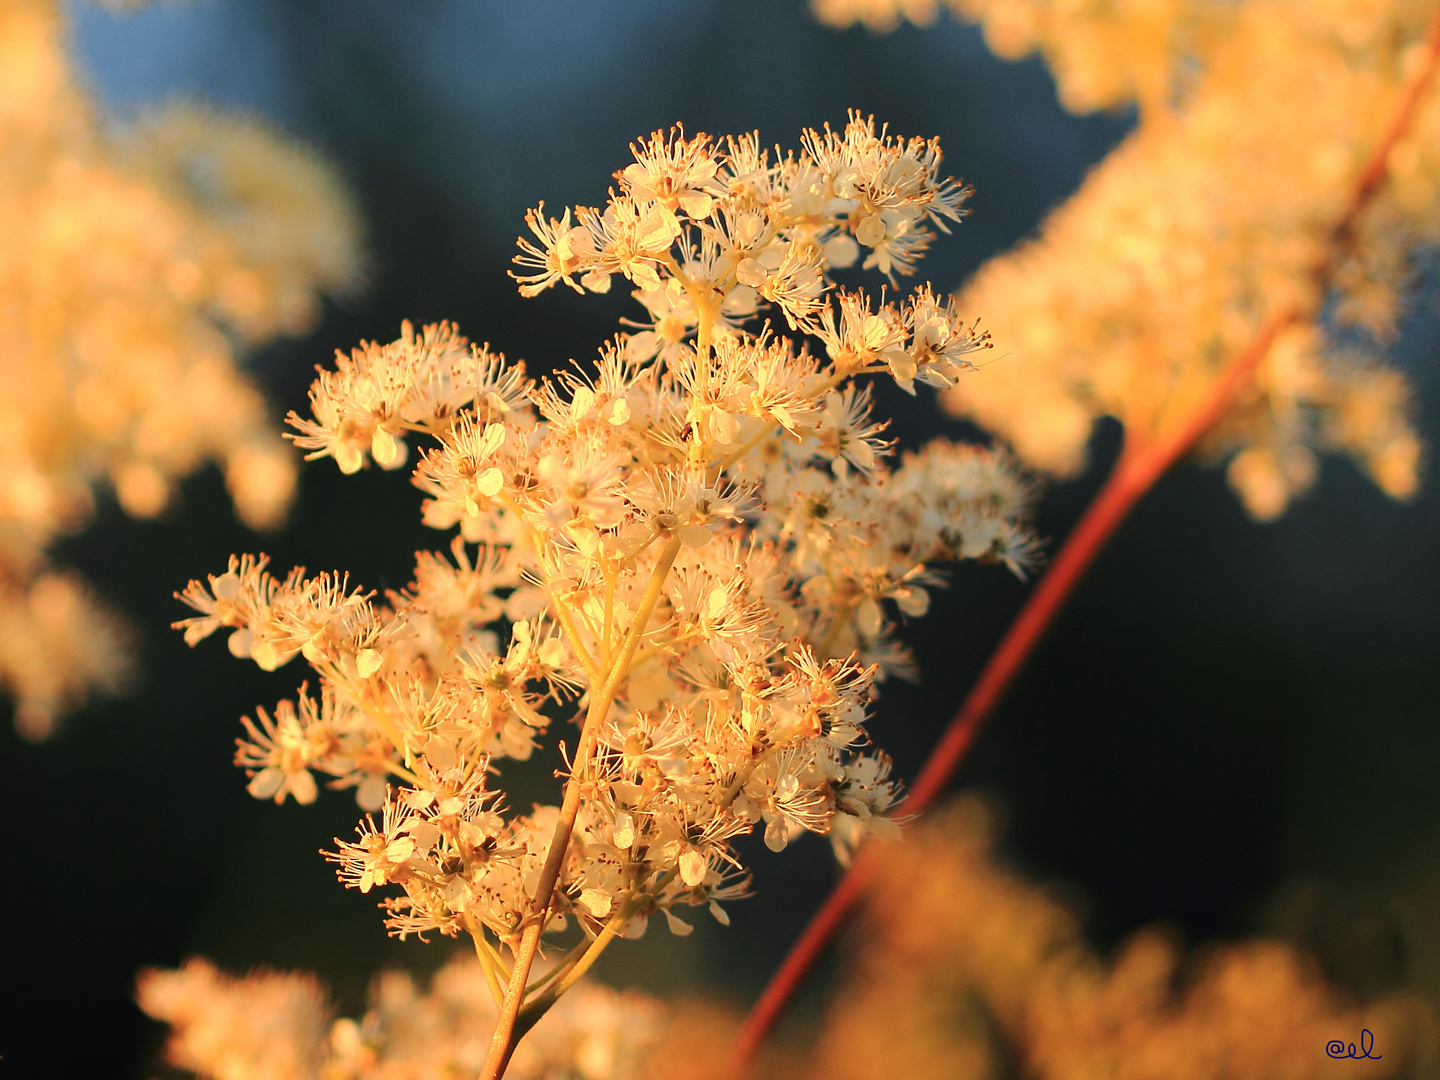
column 1141, row 465
column 1110, row 506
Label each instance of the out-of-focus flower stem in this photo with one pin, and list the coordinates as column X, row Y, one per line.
column 1144, row 460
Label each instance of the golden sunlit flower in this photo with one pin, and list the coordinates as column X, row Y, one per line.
column 699, row 540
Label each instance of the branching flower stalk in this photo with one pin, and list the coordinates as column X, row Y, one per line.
column 695, row 547
column 1145, row 458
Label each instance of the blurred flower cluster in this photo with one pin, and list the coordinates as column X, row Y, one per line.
column 273, row 1026
column 1213, row 215
column 138, row 261
column 697, row 547
column 958, row 970
column 984, row 972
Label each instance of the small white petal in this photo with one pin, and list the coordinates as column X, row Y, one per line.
column 595, row 902
column 624, row 830
column 241, row 642
column 582, row 404
column 725, row 426
column 425, row 834
column 349, row 457
column 302, row 786
column 493, row 438
column 841, row 251
column 440, row 752
column 870, row 231
column 692, row 867
column 490, row 482
column 777, row 835
column 694, row 536
column 225, row 586
column 636, row 927
column 913, row 602
column 265, row 654
column 383, row 447
column 266, row 783
column 868, row 617
column 697, row 204
column 370, row 794
column 751, row 273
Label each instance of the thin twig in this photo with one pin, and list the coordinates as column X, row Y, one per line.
column 492, row 980
column 504, row 1037
column 575, row 969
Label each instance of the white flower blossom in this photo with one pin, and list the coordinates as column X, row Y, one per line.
column 698, row 547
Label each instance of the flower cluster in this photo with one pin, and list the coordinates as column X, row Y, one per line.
column 1211, row 217
column 1104, row 53
column 279, row 1026
column 747, row 228
column 988, row 974
column 134, row 263
column 696, row 547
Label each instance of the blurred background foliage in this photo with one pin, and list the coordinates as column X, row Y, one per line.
column 1233, row 729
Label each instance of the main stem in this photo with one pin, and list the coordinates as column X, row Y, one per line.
column 1141, row 464
column 505, row 1036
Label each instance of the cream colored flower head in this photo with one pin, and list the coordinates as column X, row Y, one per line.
column 698, row 546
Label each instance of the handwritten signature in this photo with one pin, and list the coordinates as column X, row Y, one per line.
column 1338, row 1049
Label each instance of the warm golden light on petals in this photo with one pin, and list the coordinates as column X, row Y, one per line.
column 278, row 1026
column 985, row 968
column 698, row 539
